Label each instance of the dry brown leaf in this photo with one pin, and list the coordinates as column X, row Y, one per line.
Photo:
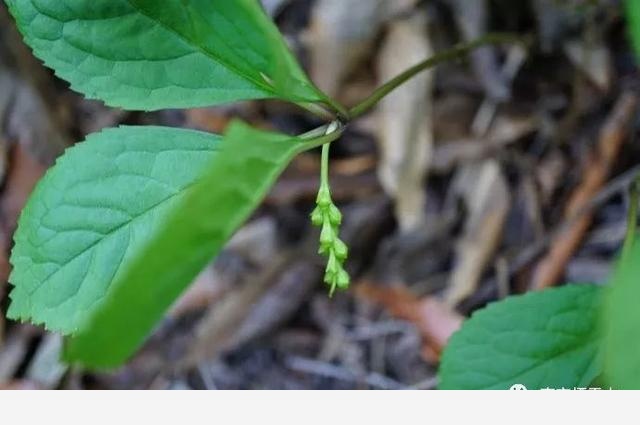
column 257, row 307
column 254, row 242
column 550, row 175
column 435, row 320
column 593, row 60
column 15, row 349
column 486, row 195
column 28, row 122
column 405, row 135
column 341, row 35
column 203, row 292
column 46, row 370
column 505, row 130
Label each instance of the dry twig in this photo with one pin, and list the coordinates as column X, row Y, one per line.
column 596, row 172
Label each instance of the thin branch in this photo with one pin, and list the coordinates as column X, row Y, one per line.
column 446, row 56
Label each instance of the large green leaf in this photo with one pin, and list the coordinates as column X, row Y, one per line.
column 546, row 339
column 238, row 177
column 93, row 212
column 150, row 54
column 622, row 323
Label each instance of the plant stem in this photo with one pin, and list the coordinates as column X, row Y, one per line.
column 345, row 116
column 318, row 110
column 326, row 134
column 342, row 112
column 324, row 166
column 321, row 136
column 446, row 56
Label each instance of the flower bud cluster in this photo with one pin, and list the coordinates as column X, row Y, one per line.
column 327, row 216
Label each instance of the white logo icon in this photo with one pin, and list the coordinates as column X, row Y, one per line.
column 518, row 387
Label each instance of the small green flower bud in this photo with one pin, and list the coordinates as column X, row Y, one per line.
column 327, row 235
column 333, row 265
column 317, row 216
column 324, row 197
column 335, row 216
column 340, row 249
column 343, row 280
column 324, row 249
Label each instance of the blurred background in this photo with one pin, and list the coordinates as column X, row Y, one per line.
column 494, row 175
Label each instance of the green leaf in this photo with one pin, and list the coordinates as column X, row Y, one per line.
column 238, row 177
column 95, row 210
column 150, row 54
column 546, row 339
column 622, row 323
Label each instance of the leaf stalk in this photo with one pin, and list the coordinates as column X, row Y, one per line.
column 446, row 56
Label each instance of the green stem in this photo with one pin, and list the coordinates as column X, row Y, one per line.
column 446, row 56
column 321, row 136
column 318, row 110
column 342, row 112
column 324, row 167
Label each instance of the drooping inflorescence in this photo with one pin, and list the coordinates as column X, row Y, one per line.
column 328, row 217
